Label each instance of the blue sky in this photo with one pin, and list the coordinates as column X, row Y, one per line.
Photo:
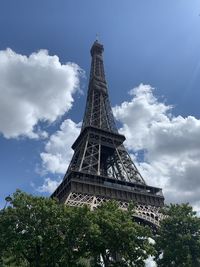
column 154, row 43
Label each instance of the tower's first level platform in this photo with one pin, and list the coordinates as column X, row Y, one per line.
column 78, row 189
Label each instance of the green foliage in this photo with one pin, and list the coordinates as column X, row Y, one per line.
column 116, row 240
column 178, row 240
column 38, row 231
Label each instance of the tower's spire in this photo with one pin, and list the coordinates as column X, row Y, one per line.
column 97, row 67
column 98, row 112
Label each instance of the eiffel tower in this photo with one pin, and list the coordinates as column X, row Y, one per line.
column 101, row 168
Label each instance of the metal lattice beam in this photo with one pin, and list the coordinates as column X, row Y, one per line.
column 147, row 213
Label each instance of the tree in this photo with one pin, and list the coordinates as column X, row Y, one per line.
column 116, row 240
column 37, row 231
column 178, row 239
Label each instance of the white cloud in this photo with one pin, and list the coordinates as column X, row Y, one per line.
column 48, row 186
column 170, row 144
column 34, row 88
column 138, row 115
column 150, row 262
column 58, row 151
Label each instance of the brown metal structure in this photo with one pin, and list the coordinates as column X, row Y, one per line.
column 101, row 168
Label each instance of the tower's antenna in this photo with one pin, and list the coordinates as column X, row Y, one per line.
column 97, row 37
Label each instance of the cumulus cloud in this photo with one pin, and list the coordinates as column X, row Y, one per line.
column 34, row 88
column 150, row 262
column 138, row 115
column 58, row 151
column 170, row 145
column 48, row 186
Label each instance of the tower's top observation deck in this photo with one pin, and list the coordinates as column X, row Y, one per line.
column 96, row 48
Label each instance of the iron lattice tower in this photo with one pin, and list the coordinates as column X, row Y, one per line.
column 101, row 168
